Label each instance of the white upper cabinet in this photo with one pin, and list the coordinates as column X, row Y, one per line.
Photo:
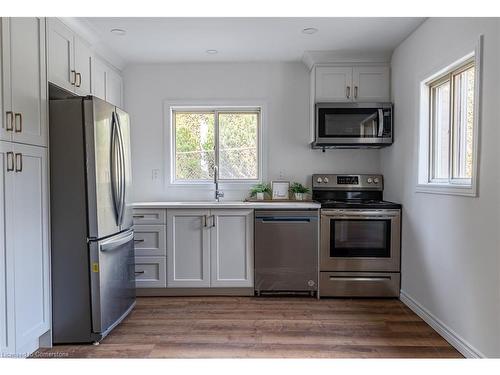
column 363, row 83
column 61, row 57
column 333, row 84
column 73, row 66
column 99, row 78
column 24, row 81
column 231, row 250
column 83, row 67
column 70, row 59
column 107, row 83
column 371, row 84
column 114, row 88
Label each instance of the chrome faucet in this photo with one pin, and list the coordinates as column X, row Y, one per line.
column 218, row 193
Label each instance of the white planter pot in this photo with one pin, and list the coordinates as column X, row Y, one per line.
column 260, row 196
column 299, row 196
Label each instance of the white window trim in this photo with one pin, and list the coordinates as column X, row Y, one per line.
column 169, row 157
column 424, row 183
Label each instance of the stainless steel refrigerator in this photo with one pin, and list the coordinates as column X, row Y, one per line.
column 93, row 281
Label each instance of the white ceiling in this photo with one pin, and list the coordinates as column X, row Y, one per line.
column 155, row 40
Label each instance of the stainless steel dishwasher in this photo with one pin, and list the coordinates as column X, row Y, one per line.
column 286, row 251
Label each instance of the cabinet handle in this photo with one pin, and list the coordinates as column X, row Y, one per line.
column 141, row 240
column 355, row 92
column 78, row 80
column 10, row 161
column 73, row 77
column 19, row 162
column 348, row 92
column 10, row 121
column 204, row 221
column 213, row 221
column 139, row 272
column 20, row 128
column 139, row 216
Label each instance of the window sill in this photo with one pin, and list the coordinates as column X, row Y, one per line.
column 447, row 189
column 211, row 186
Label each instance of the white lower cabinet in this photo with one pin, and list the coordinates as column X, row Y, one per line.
column 209, row 248
column 24, row 248
column 150, row 248
column 150, row 272
column 231, row 248
column 188, row 248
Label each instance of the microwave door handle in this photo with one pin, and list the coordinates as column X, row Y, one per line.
column 366, row 121
column 380, row 123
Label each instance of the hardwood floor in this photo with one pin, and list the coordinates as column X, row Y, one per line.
column 265, row 327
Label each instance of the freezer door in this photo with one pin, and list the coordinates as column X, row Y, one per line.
column 123, row 121
column 103, row 175
column 112, row 280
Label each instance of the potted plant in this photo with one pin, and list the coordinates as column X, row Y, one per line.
column 299, row 190
column 259, row 190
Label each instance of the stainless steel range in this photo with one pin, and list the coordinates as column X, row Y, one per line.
column 360, row 237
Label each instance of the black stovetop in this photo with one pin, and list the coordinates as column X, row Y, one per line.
column 352, row 199
column 359, row 204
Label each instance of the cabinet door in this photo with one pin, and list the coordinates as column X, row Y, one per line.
column 333, row 84
column 150, row 272
column 114, row 88
column 371, row 84
column 83, row 67
column 6, row 263
column 231, row 249
column 30, row 250
column 149, row 240
column 188, row 248
column 25, row 87
column 98, row 78
column 6, row 117
column 61, row 55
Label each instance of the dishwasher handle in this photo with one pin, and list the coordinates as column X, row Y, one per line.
column 284, row 219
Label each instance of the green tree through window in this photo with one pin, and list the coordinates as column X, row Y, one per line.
column 235, row 150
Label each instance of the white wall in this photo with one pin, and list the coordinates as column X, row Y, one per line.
column 451, row 244
column 284, row 87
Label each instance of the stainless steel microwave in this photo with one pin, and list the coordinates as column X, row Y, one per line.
column 353, row 125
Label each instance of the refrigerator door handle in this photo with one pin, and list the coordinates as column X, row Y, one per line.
column 115, row 180
column 122, row 169
column 108, row 246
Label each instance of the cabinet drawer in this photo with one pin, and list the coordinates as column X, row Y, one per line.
column 149, row 216
column 150, row 240
column 359, row 284
column 150, row 272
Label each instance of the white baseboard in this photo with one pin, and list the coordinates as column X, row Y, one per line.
column 447, row 333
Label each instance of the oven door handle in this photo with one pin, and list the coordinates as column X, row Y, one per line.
column 344, row 278
column 364, row 217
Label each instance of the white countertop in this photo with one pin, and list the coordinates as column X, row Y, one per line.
column 229, row 204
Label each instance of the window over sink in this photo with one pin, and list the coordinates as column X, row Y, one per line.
column 207, row 137
column 449, row 129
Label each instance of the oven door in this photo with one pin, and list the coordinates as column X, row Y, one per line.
column 360, row 240
column 350, row 124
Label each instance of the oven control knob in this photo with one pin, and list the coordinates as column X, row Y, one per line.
column 319, row 180
column 376, row 180
column 370, row 180
column 325, row 180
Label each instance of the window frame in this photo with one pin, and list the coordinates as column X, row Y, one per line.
column 216, row 110
column 426, row 182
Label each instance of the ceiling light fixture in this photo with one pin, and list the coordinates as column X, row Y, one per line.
column 310, row 30
column 118, row 31
column 212, row 51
